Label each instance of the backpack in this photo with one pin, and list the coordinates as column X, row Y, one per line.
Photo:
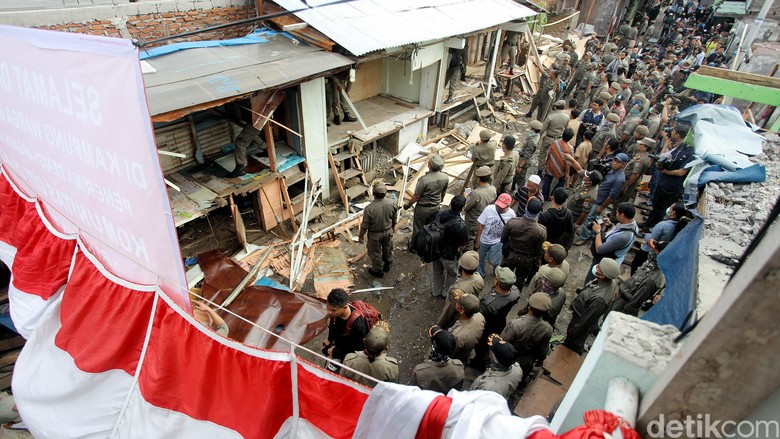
column 429, row 240
column 369, row 313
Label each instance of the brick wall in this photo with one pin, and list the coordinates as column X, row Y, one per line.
column 147, row 27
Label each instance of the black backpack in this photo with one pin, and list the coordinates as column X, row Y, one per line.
column 430, row 239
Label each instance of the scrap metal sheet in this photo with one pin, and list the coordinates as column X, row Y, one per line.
column 294, row 316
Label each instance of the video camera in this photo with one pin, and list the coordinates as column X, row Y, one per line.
column 602, row 164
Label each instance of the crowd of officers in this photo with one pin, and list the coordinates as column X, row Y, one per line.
column 611, row 123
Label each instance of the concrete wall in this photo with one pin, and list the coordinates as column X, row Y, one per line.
column 626, row 347
column 144, row 20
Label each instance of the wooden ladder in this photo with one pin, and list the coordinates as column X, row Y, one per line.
column 345, row 166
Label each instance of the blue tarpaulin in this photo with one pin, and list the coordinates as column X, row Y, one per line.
column 256, row 37
column 678, row 262
column 752, row 174
column 266, row 282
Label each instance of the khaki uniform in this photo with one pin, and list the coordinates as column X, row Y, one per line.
column 504, row 172
column 528, row 159
column 581, row 200
column 602, row 137
column 430, row 188
column 501, row 382
column 587, row 308
column 524, row 239
column 484, row 154
column 438, row 377
column 467, row 334
column 471, row 285
column 478, row 200
column 542, row 98
column 383, row 368
column 530, row 335
column 552, row 130
column 378, row 219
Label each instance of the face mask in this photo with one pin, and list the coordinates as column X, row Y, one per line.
column 593, row 270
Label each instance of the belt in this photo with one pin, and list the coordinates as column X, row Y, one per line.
column 530, row 255
column 552, row 137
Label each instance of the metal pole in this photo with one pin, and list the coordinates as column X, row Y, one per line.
column 757, row 24
column 622, row 401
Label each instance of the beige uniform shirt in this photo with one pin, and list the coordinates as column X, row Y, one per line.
column 438, row 377
column 430, row 188
column 501, row 382
column 467, row 334
column 471, row 285
column 530, row 335
column 478, row 200
column 383, row 368
column 484, row 153
column 555, row 123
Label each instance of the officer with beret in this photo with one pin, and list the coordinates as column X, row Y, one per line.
column 469, row 327
column 477, row 201
column 503, row 374
column 530, row 334
column 379, row 222
column 592, row 303
column 428, row 194
column 439, row 373
column 504, row 170
column 373, row 360
column 495, row 306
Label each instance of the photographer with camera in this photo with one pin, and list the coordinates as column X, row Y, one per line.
column 608, row 190
column 613, row 241
column 671, row 172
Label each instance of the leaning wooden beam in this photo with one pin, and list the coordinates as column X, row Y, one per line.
column 248, row 278
column 268, row 119
column 171, row 154
column 336, row 224
column 354, row 110
column 748, row 86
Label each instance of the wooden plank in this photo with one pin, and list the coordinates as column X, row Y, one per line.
column 336, row 177
column 743, row 77
column 538, row 398
column 238, row 223
column 290, row 207
column 9, row 358
column 562, row 365
column 270, row 203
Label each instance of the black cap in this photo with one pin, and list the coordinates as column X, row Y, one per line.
column 505, row 353
column 534, row 206
column 443, row 340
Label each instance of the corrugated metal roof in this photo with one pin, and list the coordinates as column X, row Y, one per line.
column 363, row 26
column 196, row 76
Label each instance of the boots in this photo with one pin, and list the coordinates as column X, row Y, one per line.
column 337, row 120
column 237, row 171
column 348, row 118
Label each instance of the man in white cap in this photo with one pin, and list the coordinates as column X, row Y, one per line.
column 532, row 189
column 491, row 225
column 477, row 201
column 591, row 303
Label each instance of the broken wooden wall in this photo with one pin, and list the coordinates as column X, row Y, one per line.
column 368, row 81
column 213, row 134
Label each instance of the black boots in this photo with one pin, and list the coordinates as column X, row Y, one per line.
column 237, row 171
column 337, row 119
column 348, row 118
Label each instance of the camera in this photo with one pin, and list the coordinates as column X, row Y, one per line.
column 598, row 221
column 668, row 129
column 602, row 164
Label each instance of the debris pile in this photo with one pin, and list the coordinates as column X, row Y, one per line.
column 736, row 211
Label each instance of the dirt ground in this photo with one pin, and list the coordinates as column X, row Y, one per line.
column 408, row 307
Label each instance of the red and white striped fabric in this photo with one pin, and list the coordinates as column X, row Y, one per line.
column 106, row 358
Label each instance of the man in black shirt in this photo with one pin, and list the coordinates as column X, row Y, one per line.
column 455, row 239
column 344, row 336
